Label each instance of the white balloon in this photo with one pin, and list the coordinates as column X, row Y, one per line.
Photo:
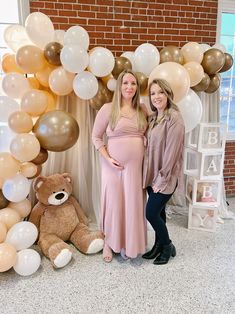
column 16, row 37
column 219, row 46
column 146, row 58
column 27, row 263
column 22, row 235
column 130, row 55
column 205, row 47
column 7, row 107
column 111, row 84
column 59, row 36
column 39, row 29
column 15, row 85
column 6, row 136
column 101, row 61
column 85, row 85
column 191, row 109
column 16, row 188
column 77, row 35
column 74, row 58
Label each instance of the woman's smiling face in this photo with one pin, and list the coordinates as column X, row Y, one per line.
column 129, row 86
column 158, row 98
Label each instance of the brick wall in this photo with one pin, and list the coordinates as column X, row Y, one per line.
column 229, row 169
column 122, row 25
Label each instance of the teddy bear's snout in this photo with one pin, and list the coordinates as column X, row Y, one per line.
column 59, row 196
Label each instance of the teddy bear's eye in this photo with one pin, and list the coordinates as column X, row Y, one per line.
column 54, row 192
column 63, row 190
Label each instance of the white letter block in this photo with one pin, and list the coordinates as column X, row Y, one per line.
column 207, row 165
column 203, row 192
column 202, row 218
column 207, row 137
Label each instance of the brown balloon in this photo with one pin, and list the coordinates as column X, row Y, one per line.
column 214, row 84
column 203, row 84
column 3, row 201
column 56, row 130
column 104, row 95
column 213, row 61
column 143, row 81
column 41, row 157
column 228, row 63
column 171, row 54
column 52, row 53
column 121, row 64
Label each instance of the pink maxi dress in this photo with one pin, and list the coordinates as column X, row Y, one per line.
column 122, row 198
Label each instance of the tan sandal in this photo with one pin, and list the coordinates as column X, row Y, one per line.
column 107, row 254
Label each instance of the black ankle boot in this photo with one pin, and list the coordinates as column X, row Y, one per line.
column 154, row 252
column 167, row 251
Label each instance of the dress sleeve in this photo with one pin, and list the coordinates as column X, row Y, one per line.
column 100, row 125
column 173, row 152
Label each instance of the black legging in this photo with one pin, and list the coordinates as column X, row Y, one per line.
column 156, row 215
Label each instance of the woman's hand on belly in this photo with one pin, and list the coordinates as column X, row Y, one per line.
column 115, row 163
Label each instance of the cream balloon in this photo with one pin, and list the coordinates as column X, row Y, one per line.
column 30, row 59
column 15, row 85
column 9, row 166
column 111, row 84
column 7, row 107
column 191, row 110
column 7, row 256
column 39, row 29
column 74, row 58
column 27, row 263
column 20, row 122
column 16, row 188
column 176, row 75
column 22, row 235
column 16, row 37
column 25, row 147
column 77, row 35
column 192, row 51
column 101, row 61
column 28, row 169
column 9, row 217
column 6, row 136
column 34, row 102
column 23, row 208
column 61, row 81
column 130, row 55
column 146, row 58
column 3, row 231
column 59, row 36
column 195, row 71
column 43, row 75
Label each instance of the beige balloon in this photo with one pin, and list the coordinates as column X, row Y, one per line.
column 9, row 166
column 51, row 100
column 20, row 122
column 44, row 73
column 176, row 75
column 3, row 232
column 8, row 256
column 28, row 169
column 23, row 208
column 30, row 59
column 34, row 102
column 61, row 81
column 195, row 71
column 192, row 51
column 9, row 217
column 34, row 83
column 25, row 147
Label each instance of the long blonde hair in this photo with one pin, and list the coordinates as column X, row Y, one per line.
column 166, row 88
column 117, row 102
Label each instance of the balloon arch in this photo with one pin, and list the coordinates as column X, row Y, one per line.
column 45, row 64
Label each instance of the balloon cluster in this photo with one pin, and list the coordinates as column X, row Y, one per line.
column 16, row 238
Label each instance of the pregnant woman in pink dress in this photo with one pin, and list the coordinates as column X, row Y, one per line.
column 122, row 199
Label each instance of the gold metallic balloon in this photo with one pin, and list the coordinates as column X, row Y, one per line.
column 214, row 84
column 52, row 53
column 213, row 61
column 56, row 130
column 143, row 81
column 3, row 201
column 41, row 157
column 121, row 64
column 228, row 63
column 203, row 84
column 104, row 95
column 171, row 54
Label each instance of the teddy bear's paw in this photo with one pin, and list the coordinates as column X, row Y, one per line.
column 95, row 246
column 63, row 258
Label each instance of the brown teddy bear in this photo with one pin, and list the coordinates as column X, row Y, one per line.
column 59, row 218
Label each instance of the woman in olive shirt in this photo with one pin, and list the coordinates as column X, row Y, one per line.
column 162, row 165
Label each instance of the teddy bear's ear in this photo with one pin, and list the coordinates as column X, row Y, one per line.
column 38, row 182
column 68, row 177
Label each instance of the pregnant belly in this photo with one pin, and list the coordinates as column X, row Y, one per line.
column 126, row 149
